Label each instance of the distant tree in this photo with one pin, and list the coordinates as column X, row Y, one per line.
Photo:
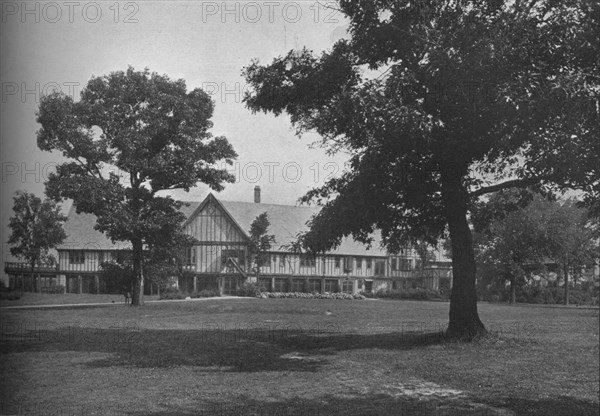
column 515, row 240
column 573, row 240
column 471, row 97
column 530, row 231
column 36, row 227
column 131, row 136
column 425, row 254
column 167, row 260
column 260, row 242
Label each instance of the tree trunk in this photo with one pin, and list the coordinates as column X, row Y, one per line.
column 513, row 290
column 464, row 319
column 33, row 280
column 138, row 280
column 566, row 273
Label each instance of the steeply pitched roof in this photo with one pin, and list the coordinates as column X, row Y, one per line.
column 286, row 222
column 82, row 235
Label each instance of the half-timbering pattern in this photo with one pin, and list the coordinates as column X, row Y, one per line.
column 220, row 259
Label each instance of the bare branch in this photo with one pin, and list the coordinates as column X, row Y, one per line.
column 513, row 183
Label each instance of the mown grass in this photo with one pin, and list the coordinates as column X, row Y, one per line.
column 30, row 298
column 298, row 356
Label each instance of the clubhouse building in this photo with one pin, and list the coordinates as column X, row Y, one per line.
column 220, row 260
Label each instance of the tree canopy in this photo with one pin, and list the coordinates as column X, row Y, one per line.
column 518, row 232
column 260, row 241
column 472, row 97
column 132, row 135
column 36, row 227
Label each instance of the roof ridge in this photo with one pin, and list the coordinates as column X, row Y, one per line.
column 262, row 203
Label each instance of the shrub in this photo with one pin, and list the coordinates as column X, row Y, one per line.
column 171, row 293
column 12, row 295
column 415, row 294
column 206, row 293
column 174, row 293
column 314, row 295
column 53, row 290
column 249, row 290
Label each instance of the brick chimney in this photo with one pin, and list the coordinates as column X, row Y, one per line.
column 257, row 194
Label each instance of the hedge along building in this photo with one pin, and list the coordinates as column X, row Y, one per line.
column 220, row 261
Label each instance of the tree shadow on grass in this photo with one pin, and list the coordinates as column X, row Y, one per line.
column 236, row 350
column 381, row 404
column 561, row 405
column 370, row 404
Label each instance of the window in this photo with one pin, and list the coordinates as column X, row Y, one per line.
column 405, row 264
column 280, row 285
column 100, row 257
column 336, row 262
column 314, row 285
column 349, row 264
column 307, row 261
column 369, row 264
column 359, row 262
column 331, row 286
column 282, row 261
column 76, row 257
column 394, row 263
column 379, row 267
column 347, row 286
column 297, row 285
column 190, row 256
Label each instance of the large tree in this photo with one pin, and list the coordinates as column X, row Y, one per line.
column 131, row 135
column 36, row 228
column 471, row 97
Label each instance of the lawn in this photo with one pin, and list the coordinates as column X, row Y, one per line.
column 30, row 298
column 296, row 357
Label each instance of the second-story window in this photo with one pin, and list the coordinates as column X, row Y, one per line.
column 307, row 261
column 190, row 256
column 282, row 261
column 369, row 264
column 76, row 257
column 394, row 263
column 359, row 262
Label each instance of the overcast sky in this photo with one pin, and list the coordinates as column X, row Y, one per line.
column 50, row 45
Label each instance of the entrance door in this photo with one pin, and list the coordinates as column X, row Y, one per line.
column 368, row 286
column 229, row 285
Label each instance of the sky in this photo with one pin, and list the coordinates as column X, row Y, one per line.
column 47, row 46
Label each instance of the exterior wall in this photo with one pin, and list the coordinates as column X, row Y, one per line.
column 219, row 239
column 91, row 260
column 287, row 264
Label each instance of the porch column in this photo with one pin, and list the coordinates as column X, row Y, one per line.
column 195, row 283
column 97, row 282
column 79, row 284
column 322, row 285
column 272, row 284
